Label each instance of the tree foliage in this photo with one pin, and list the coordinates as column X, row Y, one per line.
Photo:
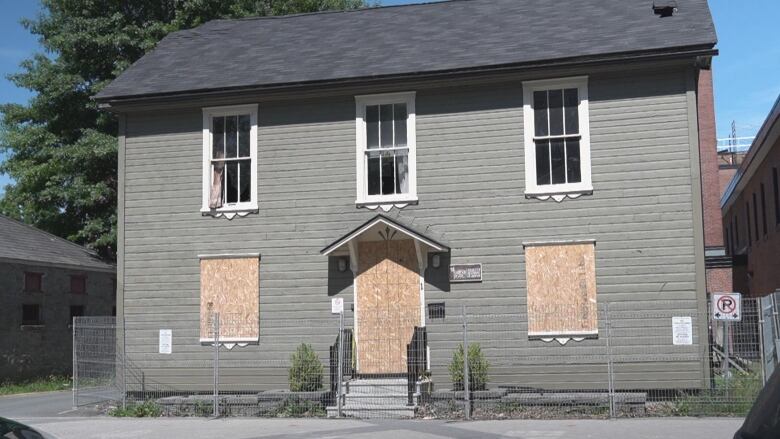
column 61, row 151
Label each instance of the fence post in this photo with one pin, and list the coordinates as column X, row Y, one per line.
column 215, row 324
column 340, row 373
column 123, row 361
column 761, row 352
column 466, row 386
column 610, row 367
column 74, row 385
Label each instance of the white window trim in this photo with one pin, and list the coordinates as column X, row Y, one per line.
column 240, row 209
column 556, row 191
column 386, row 202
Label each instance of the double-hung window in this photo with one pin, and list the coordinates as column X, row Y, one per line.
column 386, row 142
column 557, row 138
column 230, row 160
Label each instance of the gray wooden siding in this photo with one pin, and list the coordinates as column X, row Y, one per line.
column 470, row 178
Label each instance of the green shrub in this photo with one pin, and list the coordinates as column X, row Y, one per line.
column 42, row 384
column 305, row 370
column 146, row 409
column 294, row 407
column 478, row 368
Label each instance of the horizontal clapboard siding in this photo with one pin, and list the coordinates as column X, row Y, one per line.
column 470, row 179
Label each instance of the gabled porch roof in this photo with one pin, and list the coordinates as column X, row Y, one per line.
column 384, row 227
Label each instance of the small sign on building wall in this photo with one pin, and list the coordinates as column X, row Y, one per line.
column 166, row 341
column 336, row 305
column 682, row 331
column 466, row 273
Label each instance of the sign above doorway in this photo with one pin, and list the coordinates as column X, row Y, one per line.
column 466, row 273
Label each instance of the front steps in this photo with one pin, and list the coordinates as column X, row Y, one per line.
column 374, row 398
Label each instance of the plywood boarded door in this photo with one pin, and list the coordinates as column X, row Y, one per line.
column 388, row 305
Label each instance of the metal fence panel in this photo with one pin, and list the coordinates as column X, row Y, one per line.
column 666, row 361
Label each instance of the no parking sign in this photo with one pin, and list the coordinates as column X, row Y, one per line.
column 727, row 306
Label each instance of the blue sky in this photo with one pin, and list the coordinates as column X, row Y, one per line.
column 747, row 81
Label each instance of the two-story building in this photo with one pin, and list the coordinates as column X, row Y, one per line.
column 548, row 152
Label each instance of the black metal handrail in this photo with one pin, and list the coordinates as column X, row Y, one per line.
column 416, row 360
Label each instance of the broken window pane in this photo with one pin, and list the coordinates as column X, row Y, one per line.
column 243, row 135
column 373, row 173
column 245, row 178
column 557, row 160
column 400, row 124
column 231, row 136
column 386, row 125
column 570, row 102
column 401, row 173
column 372, row 126
column 540, row 113
column 218, row 142
column 388, row 173
column 573, row 173
column 231, row 180
column 542, row 162
column 556, row 112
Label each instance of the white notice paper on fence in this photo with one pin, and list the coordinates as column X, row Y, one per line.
column 166, row 341
column 682, row 331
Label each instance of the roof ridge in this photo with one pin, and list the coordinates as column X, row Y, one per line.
column 80, row 247
column 335, row 11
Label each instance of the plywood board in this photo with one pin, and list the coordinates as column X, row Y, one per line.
column 230, row 287
column 561, row 285
column 388, row 305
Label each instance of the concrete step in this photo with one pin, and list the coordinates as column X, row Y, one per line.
column 388, row 411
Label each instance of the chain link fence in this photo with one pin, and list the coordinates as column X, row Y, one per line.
column 660, row 362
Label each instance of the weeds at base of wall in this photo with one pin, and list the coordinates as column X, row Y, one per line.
column 146, row 409
column 293, row 407
column 732, row 397
column 45, row 384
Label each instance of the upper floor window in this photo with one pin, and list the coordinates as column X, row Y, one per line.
column 386, row 146
column 78, row 284
column 230, row 160
column 557, row 138
column 33, row 282
column 777, row 195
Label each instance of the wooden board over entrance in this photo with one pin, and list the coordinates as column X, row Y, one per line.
column 561, row 285
column 230, row 286
column 388, row 305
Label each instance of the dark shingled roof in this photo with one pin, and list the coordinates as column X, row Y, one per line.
column 21, row 242
column 402, row 40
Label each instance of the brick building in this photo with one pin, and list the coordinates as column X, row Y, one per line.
column 44, row 282
column 717, row 262
column 751, row 213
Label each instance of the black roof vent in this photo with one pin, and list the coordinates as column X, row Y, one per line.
column 665, row 8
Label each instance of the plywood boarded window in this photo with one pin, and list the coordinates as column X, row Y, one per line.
column 230, row 286
column 561, row 285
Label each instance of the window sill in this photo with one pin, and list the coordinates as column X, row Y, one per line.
column 230, row 212
column 386, row 203
column 559, row 194
column 29, row 326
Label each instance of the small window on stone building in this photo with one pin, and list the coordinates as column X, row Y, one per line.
column 33, row 282
column 747, row 221
column 755, row 217
column 31, row 315
column 78, row 284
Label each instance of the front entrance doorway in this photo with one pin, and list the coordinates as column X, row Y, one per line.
column 388, row 305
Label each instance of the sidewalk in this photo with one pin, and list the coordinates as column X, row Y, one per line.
column 242, row 428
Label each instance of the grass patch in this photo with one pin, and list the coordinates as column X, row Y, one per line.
column 730, row 397
column 147, row 409
column 45, row 384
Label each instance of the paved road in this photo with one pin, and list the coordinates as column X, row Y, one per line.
column 48, row 404
column 243, row 428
